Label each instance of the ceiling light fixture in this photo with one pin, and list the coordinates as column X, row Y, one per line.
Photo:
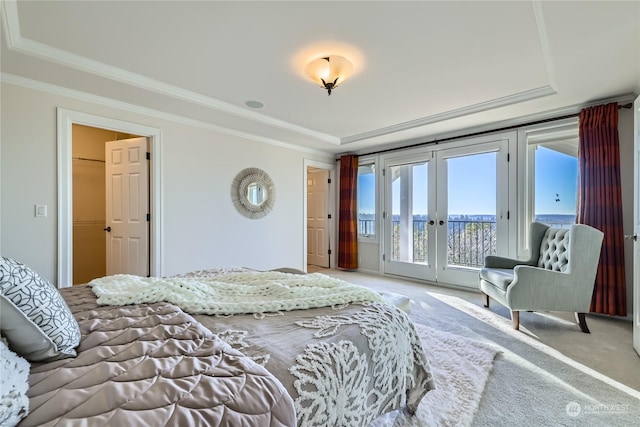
column 329, row 71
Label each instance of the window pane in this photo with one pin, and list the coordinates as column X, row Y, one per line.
column 409, row 213
column 556, row 183
column 472, row 200
column 367, row 200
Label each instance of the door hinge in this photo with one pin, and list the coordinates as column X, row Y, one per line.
column 148, row 217
column 383, row 172
column 508, row 215
column 329, row 181
column 384, row 215
column 329, row 216
column 383, row 257
column 329, row 251
column 148, row 155
column 508, row 157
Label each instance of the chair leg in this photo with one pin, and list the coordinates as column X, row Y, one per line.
column 515, row 319
column 582, row 322
column 485, row 299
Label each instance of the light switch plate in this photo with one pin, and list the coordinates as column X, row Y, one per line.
column 41, row 211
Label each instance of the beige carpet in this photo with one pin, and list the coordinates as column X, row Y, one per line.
column 461, row 367
column 532, row 382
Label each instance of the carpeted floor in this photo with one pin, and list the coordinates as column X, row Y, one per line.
column 531, row 383
column 461, row 368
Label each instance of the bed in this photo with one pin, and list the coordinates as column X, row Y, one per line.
column 155, row 364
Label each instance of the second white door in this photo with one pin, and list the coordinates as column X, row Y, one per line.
column 318, row 217
column 127, row 205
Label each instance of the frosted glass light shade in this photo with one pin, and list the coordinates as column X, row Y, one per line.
column 332, row 69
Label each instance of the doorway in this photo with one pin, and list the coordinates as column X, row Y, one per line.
column 318, row 218
column 66, row 119
column 89, row 200
column 445, row 210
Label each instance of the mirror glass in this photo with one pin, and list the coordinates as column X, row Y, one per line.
column 256, row 193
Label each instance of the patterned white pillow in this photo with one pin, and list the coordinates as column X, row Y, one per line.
column 34, row 317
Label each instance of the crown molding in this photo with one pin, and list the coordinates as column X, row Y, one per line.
column 452, row 114
column 544, row 43
column 29, row 47
column 145, row 111
column 522, row 122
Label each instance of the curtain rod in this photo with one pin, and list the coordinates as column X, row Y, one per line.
column 484, row 132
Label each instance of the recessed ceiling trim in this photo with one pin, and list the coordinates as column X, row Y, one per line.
column 10, row 21
column 544, row 43
column 145, row 111
column 43, row 51
column 493, row 127
column 452, row 114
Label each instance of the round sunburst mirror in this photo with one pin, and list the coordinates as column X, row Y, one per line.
column 253, row 193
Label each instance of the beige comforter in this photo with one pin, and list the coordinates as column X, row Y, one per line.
column 152, row 365
column 343, row 365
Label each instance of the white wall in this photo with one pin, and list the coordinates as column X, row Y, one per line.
column 200, row 226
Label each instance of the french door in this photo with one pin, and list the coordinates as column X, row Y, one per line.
column 445, row 210
column 409, row 216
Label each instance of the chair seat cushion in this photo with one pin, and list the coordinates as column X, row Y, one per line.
column 498, row 277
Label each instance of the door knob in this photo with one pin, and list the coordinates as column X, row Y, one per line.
column 432, row 222
column 108, row 229
column 441, row 222
column 633, row 237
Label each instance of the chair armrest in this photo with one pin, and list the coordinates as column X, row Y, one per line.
column 535, row 288
column 493, row 261
column 539, row 277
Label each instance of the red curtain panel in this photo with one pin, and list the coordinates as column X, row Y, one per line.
column 600, row 203
column 348, row 223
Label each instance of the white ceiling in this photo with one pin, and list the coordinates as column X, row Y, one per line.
column 422, row 69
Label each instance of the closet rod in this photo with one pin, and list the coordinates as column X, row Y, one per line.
column 88, row 160
column 484, row 132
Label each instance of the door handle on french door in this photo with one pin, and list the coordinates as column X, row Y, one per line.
column 108, row 229
column 633, row 237
column 432, row 222
column 441, row 222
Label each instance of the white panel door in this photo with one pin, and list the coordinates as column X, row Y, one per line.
column 318, row 217
column 127, row 205
column 636, row 227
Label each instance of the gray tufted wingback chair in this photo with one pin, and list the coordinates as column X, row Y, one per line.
column 559, row 275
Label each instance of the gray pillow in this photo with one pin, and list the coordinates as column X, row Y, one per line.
column 34, row 317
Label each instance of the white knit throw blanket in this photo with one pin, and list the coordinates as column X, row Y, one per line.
column 232, row 293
